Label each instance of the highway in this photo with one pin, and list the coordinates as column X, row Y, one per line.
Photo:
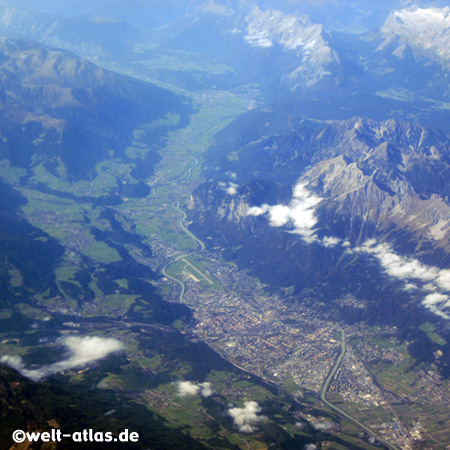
column 334, row 369
column 326, row 384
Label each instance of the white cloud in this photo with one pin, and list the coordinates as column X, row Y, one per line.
column 410, row 287
column 331, row 241
column 435, row 299
column 188, row 388
column 247, row 417
column 232, row 188
column 16, row 363
column 323, row 426
column 310, row 447
column 300, row 212
column 206, row 389
column 83, row 351
column 258, row 211
column 279, row 215
column 443, row 279
column 87, row 349
column 412, row 271
column 429, row 287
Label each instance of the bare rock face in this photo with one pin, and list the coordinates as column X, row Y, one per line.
column 315, row 59
column 390, row 177
column 356, row 207
column 375, row 179
column 422, row 30
column 387, row 207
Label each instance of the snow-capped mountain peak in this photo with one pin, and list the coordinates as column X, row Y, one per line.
column 297, row 34
column 426, row 31
column 292, row 32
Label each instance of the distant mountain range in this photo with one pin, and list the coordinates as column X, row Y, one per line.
column 286, row 44
column 91, row 36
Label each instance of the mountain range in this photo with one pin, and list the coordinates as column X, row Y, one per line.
column 331, row 204
column 152, row 151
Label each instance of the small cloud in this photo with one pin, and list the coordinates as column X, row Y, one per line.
column 247, row 417
column 330, row 241
column 279, row 215
column 258, row 211
column 17, row 363
column 188, row 388
column 431, row 279
column 300, row 212
column 443, row 279
column 398, row 266
column 435, row 299
column 232, row 188
column 83, row 351
column 410, row 287
column 429, row 287
column 323, row 426
column 206, row 389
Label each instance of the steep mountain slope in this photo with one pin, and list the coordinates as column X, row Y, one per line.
column 387, row 168
column 408, row 55
column 60, row 117
column 308, row 42
column 356, row 207
column 45, row 406
column 264, row 46
column 55, row 102
column 425, row 31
